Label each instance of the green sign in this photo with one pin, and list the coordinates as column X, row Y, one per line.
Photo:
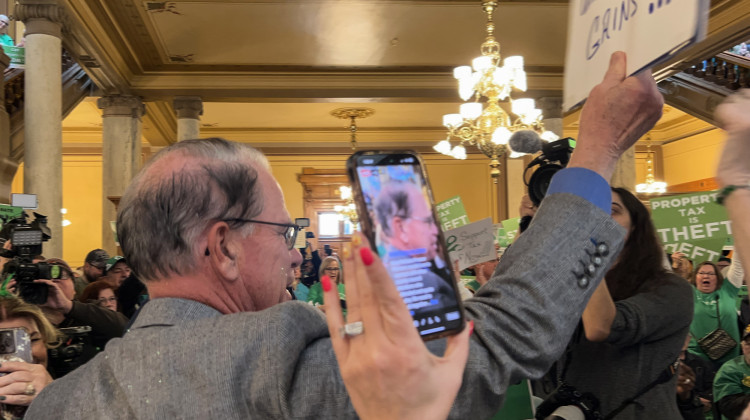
column 511, row 229
column 518, row 405
column 17, row 56
column 500, row 236
column 452, row 213
column 694, row 224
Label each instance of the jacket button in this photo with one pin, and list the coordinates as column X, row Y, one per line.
column 602, row 249
column 597, row 260
column 590, row 269
column 583, row 282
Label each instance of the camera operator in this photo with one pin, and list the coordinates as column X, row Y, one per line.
column 69, row 315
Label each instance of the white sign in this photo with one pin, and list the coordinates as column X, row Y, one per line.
column 648, row 31
column 472, row 244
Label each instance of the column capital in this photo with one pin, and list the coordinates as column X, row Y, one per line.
column 188, row 107
column 121, row 106
column 551, row 106
column 41, row 16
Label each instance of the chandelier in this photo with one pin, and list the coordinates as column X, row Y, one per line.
column 489, row 126
column 352, row 114
column 651, row 186
column 348, row 211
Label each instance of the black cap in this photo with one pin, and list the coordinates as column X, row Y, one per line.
column 98, row 258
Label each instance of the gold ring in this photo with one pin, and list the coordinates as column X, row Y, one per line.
column 30, row 390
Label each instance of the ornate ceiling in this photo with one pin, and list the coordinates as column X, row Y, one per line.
column 270, row 72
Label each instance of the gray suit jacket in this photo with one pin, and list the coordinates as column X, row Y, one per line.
column 182, row 359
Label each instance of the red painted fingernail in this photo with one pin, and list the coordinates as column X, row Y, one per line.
column 325, row 281
column 471, row 327
column 366, row 255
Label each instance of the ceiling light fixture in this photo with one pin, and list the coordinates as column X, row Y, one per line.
column 352, row 114
column 651, row 186
column 489, row 127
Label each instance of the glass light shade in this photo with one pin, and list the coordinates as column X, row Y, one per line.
column 522, row 106
column 531, row 116
column 443, row 147
column 501, row 135
column 549, row 136
column 519, row 80
column 459, row 152
column 465, row 89
column 470, row 110
column 66, row 222
column 482, row 63
column 462, row 72
column 514, row 62
column 500, row 76
column 515, row 155
column 452, row 120
column 345, row 192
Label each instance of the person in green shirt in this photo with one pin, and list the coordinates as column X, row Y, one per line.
column 5, row 39
column 732, row 382
column 712, row 290
column 331, row 267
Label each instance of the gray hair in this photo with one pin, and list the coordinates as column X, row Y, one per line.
column 161, row 216
column 393, row 201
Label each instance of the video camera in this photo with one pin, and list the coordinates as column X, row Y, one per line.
column 69, row 355
column 555, row 156
column 567, row 403
column 26, row 242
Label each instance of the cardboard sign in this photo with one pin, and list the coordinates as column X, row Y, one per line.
column 648, row 31
column 17, row 56
column 451, row 213
column 471, row 244
column 694, row 224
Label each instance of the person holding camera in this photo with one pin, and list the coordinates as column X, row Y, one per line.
column 87, row 326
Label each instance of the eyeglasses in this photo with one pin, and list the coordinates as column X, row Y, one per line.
column 102, row 301
column 290, row 234
column 331, row 269
column 428, row 220
column 706, row 273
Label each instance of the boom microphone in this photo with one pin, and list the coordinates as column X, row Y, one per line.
column 525, row 141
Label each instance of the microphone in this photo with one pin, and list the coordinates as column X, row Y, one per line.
column 525, row 141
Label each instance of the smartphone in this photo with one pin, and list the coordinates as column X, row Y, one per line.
column 15, row 345
column 397, row 213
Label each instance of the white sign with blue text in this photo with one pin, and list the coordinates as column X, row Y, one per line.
column 648, row 31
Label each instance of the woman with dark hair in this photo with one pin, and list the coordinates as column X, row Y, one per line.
column 633, row 328
column 715, row 306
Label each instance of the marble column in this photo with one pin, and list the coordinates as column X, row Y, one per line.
column 551, row 107
column 121, row 155
column 188, row 110
column 624, row 175
column 43, row 112
column 8, row 165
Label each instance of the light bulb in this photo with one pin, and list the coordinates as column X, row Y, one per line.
column 522, row 106
column 462, row 72
column 514, row 62
column 501, row 135
column 482, row 63
column 443, row 147
column 459, row 152
column 452, row 120
column 470, row 110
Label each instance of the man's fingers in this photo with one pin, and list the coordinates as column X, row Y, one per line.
column 617, row 71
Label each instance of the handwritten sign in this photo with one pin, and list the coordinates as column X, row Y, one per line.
column 452, row 213
column 472, row 244
column 648, row 31
column 694, row 224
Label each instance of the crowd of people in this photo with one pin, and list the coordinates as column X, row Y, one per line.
column 199, row 319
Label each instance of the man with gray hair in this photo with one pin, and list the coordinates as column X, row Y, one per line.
column 204, row 225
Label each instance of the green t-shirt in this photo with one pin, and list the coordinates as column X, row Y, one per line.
column 6, row 40
column 316, row 294
column 733, row 378
column 704, row 318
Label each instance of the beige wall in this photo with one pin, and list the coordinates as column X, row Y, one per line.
column 693, row 158
column 82, row 189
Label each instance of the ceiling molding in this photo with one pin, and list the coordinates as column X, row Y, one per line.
column 159, row 124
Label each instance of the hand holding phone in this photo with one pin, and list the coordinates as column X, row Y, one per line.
column 397, row 215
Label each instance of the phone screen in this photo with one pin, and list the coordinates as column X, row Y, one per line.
column 396, row 213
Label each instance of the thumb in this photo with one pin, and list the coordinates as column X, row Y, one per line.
column 457, row 350
column 617, row 71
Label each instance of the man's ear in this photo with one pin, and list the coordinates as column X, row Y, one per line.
column 222, row 250
column 398, row 229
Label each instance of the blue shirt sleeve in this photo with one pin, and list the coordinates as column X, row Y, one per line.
column 584, row 183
